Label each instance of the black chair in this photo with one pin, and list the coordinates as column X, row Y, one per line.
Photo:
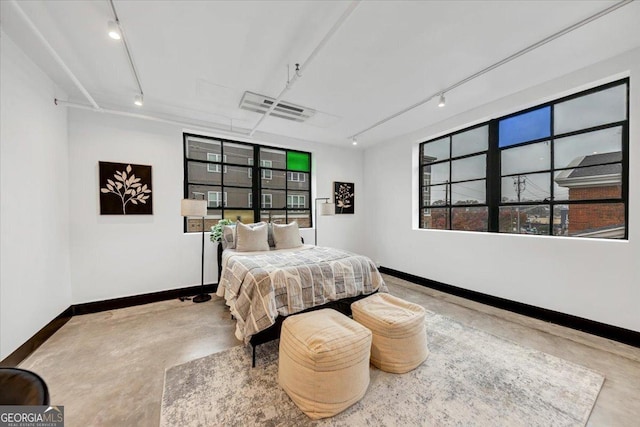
column 22, row 387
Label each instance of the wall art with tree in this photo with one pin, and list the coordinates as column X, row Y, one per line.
column 125, row 189
column 343, row 193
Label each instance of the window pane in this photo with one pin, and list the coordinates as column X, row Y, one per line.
column 469, row 168
column 204, row 173
column 596, row 182
column 435, row 195
column 426, row 196
column 244, row 216
column 273, row 158
column 469, row 142
column 236, row 175
column 273, row 179
column 524, row 219
column 197, row 148
column 526, row 188
column 525, row 127
column 303, row 218
column 470, row 219
column 435, row 174
column 277, row 217
column 426, row 176
column 200, row 192
column 297, row 200
column 425, row 216
column 435, row 218
column 435, row 150
column 297, row 161
column 216, row 199
column 237, row 153
column 238, row 197
column 528, row 158
column 598, row 108
column 589, row 148
column 195, row 224
column 601, row 220
column 278, row 199
column 298, row 180
column 470, row 192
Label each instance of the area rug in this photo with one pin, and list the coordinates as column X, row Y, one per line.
column 471, row 378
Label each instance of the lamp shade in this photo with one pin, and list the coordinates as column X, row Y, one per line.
column 327, row 209
column 191, row 207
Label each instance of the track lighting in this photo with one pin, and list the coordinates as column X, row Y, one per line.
column 138, row 100
column 441, row 102
column 114, row 31
column 354, row 141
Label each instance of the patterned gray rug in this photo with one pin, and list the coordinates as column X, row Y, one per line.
column 471, row 378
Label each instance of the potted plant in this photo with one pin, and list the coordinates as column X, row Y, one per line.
column 216, row 230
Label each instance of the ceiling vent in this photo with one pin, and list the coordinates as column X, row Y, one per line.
column 284, row 110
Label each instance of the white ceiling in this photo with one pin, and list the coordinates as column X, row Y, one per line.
column 196, row 58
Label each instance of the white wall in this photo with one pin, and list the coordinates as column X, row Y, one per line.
column 116, row 256
column 34, row 252
column 594, row 279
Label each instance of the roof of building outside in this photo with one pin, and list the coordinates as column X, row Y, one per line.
column 588, row 171
column 597, row 159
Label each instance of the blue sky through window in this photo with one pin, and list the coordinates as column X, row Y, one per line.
column 525, row 127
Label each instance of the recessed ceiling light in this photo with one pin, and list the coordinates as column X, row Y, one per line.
column 138, row 100
column 441, row 102
column 114, row 31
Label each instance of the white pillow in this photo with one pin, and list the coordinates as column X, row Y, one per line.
column 249, row 239
column 287, row 236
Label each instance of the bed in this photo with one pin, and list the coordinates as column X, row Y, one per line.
column 262, row 288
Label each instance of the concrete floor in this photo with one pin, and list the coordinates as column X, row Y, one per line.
column 107, row 369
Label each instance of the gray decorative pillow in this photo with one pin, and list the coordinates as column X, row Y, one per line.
column 228, row 239
column 287, row 236
column 251, row 237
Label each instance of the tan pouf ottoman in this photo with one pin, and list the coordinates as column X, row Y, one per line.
column 324, row 361
column 399, row 334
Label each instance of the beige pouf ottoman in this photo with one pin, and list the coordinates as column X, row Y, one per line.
column 399, row 334
column 324, row 361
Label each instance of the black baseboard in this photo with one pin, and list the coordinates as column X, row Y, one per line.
column 113, row 304
column 615, row 333
column 37, row 340
column 22, row 352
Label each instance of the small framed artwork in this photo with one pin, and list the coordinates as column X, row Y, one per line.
column 343, row 194
column 125, row 189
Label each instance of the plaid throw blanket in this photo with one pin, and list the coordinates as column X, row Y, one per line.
column 262, row 285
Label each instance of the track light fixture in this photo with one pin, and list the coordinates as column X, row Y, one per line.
column 441, row 102
column 354, row 141
column 114, row 31
column 138, row 100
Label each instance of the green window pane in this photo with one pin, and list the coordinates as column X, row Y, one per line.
column 297, row 161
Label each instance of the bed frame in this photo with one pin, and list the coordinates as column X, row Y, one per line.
column 273, row 331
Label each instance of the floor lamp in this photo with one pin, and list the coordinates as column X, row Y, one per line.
column 326, row 208
column 197, row 208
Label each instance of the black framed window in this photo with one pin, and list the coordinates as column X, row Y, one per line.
column 224, row 173
column 453, row 172
column 558, row 169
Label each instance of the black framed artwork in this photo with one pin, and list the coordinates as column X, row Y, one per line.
column 344, row 194
column 125, row 189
